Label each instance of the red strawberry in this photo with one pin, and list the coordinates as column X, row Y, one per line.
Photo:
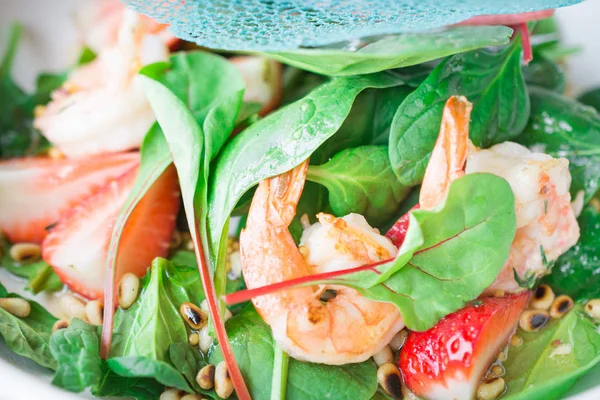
column 397, row 232
column 264, row 81
column 36, row 192
column 77, row 246
column 449, row 360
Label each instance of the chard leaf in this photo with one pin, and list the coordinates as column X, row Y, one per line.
column 361, row 181
column 394, row 51
column 492, row 80
column 563, row 127
column 577, row 272
column 253, row 346
column 76, row 350
column 28, row 337
column 152, row 323
column 280, row 142
column 539, row 369
column 144, row 367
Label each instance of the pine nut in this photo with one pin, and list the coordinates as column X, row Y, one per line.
column 94, row 312
column 205, row 339
column 223, row 384
column 560, row 306
column 60, row 324
column 192, row 396
column 72, row 307
column 533, row 320
column 170, row 394
column 390, row 380
column 16, row 306
column 516, row 341
column 206, row 377
column 502, row 356
column 193, row 339
column 491, row 389
column 498, row 370
column 55, row 153
column 25, row 252
column 383, row 356
column 499, row 293
column 193, row 315
column 398, row 340
column 592, row 308
column 542, row 298
column 129, row 288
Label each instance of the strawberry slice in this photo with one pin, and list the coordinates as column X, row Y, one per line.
column 77, row 246
column 449, row 360
column 37, row 192
column 264, row 81
column 398, row 231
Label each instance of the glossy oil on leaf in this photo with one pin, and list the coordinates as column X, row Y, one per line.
column 492, row 80
column 563, row 127
column 361, row 180
column 394, row 51
column 540, row 370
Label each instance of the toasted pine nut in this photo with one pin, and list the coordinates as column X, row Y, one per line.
column 560, row 306
column 498, row 370
column 542, row 298
column 491, row 389
column 206, row 377
column 533, row 320
column 502, row 356
column 193, row 315
column 193, row 339
column 171, row 394
column 383, row 356
column 25, row 252
column 55, row 153
column 129, row 287
column 223, row 384
column 16, row 306
column 592, row 308
column 516, row 340
column 499, row 293
column 192, row 396
column 390, row 380
column 60, row 324
column 398, row 340
column 94, row 312
column 72, row 307
column 205, row 339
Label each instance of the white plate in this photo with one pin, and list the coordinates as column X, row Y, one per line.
column 49, row 44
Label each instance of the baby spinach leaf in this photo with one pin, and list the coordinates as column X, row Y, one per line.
column 145, row 367
column 492, row 80
column 30, row 336
column 281, row 141
column 152, row 323
column 252, row 344
column 297, row 83
column 76, row 350
column 40, row 276
column 545, row 73
column 361, row 181
column 113, row 385
column 539, row 369
column 591, row 98
column 577, row 272
column 563, row 127
column 188, row 361
column 312, row 201
column 394, row 51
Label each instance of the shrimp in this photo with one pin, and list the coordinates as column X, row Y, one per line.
column 546, row 223
column 102, row 106
column 347, row 328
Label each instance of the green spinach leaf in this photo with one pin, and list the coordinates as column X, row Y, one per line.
column 312, row 201
column 361, row 180
column 144, row 367
column 394, row 51
column 545, row 73
column 39, row 275
column 188, row 361
column 549, row 362
column 112, row 385
column 591, row 98
column 492, row 80
column 566, row 128
column 252, row 344
column 577, row 272
column 30, row 336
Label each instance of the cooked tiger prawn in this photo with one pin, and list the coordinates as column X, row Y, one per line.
column 345, row 329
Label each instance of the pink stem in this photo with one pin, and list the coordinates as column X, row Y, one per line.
column 508, row 19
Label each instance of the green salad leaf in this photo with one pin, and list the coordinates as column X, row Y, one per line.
column 361, row 180
column 591, row 98
column 312, row 201
column 145, row 367
column 549, row 362
column 563, row 127
column 30, row 336
column 253, row 347
column 545, row 73
column 492, row 80
column 394, row 51
column 188, row 360
column 577, row 272
column 39, row 275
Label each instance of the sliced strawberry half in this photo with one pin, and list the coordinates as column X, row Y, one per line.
column 77, row 246
column 397, row 232
column 449, row 360
column 37, row 192
column 264, row 81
